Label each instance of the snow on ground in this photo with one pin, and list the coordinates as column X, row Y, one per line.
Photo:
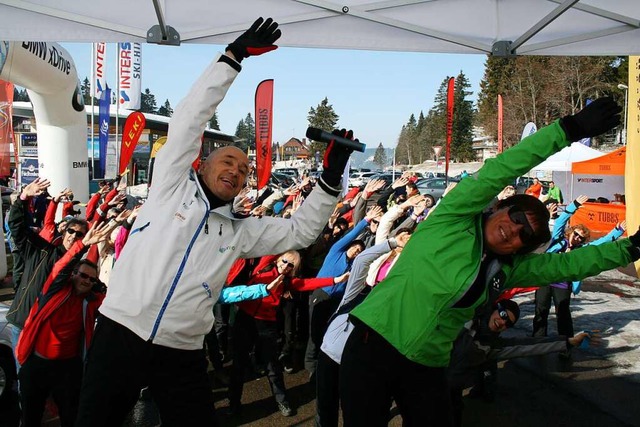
column 609, row 303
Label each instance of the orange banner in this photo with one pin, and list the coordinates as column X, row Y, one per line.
column 6, row 127
column 600, row 218
column 264, row 120
column 450, row 101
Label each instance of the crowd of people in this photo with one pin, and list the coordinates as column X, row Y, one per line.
column 393, row 301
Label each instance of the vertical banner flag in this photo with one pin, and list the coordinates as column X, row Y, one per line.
column 529, row 129
column 100, row 64
column 130, row 75
column 6, row 127
column 632, row 161
column 103, row 123
column 264, row 119
column 133, row 128
column 500, row 146
column 450, row 93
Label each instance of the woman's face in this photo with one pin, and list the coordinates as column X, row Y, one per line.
column 501, row 234
column 285, row 265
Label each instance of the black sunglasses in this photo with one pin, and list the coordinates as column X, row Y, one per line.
column 285, row 262
column 373, row 221
column 517, row 216
column 78, row 233
column 504, row 315
column 578, row 236
column 87, row 277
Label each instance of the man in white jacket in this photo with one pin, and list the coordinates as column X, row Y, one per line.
column 185, row 239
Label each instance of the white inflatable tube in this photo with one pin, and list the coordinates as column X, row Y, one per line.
column 49, row 74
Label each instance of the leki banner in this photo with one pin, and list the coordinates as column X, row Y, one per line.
column 133, row 128
column 450, row 98
column 6, row 127
column 264, row 119
column 100, row 64
column 500, row 146
column 103, row 127
column 129, row 75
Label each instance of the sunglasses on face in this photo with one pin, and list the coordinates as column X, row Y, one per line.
column 87, row 277
column 79, row 234
column 287, row 263
column 376, row 222
column 504, row 315
column 578, row 236
column 517, row 216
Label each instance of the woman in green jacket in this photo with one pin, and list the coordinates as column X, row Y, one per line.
column 405, row 329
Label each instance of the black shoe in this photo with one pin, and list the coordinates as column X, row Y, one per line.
column 232, row 410
column 285, row 409
column 287, row 366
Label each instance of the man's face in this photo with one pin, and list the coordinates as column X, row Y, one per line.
column 498, row 322
column 354, row 251
column 225, row 172
column 83, row 279
column 502, row 235
column 72, row 233
column 577, row 238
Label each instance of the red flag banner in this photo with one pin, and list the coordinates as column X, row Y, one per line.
column 264, row 121
column 6, row 127
column 500, row 147
column 450, row 93
column 133, row 128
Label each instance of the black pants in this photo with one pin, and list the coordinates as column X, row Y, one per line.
column 562, row 300
column 120, row 363
column 38, row 378
column 373, row 372
column 247, row 333
column 327, row 391
column 217, row 339
column 321, row 307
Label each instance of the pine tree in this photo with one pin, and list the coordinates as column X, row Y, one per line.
column 85, row 88
column 166, row 109
column 148, row 102
column 463, row 115
column 322, row 117
column 213, row 122
column 380, row 157
column 246, row 133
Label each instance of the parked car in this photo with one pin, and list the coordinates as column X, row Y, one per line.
column 433, row 188
column 281, row 179
column 7, row 362
column 358, row 179
column 292, row 172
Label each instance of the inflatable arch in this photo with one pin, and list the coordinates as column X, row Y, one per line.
column 49, row 74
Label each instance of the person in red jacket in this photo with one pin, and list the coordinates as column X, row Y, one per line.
column 534, row 189
column 57, row 334
column 256, row 324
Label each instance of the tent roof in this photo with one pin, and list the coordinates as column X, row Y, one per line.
column 562, row 160
column 501, row 27
column 610, row 164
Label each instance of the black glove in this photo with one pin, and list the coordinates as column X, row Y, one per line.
column 596, row 118
column 635, row 249
column 335, row 159
column 256, row 40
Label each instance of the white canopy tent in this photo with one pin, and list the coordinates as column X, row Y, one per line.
column 500, row 27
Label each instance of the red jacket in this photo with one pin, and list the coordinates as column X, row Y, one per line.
column 55, row 292
column 266, row 272
column 48, row 231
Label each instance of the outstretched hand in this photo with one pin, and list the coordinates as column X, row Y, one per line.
column 35, row 188
column 596, row 118
column 258, row 39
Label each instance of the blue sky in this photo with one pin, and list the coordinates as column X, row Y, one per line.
column 373, row 93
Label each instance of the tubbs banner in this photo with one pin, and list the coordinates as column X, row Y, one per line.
column 264, row 120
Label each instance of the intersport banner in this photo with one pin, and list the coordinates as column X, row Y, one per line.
column 264, row 119
column 129, row 75
column 500, row 145
column 632, row 161
column 103, row 120
column 133, row 128
column 100, row 67
column 450, row 101
column 6, row 127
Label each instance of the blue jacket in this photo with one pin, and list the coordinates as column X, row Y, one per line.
column 336, row 262
column 559, row 242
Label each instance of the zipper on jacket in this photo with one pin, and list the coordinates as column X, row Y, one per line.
column 220, row 232
column 206, row 225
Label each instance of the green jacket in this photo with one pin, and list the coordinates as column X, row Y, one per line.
column 556, row 194
column 413, row 308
